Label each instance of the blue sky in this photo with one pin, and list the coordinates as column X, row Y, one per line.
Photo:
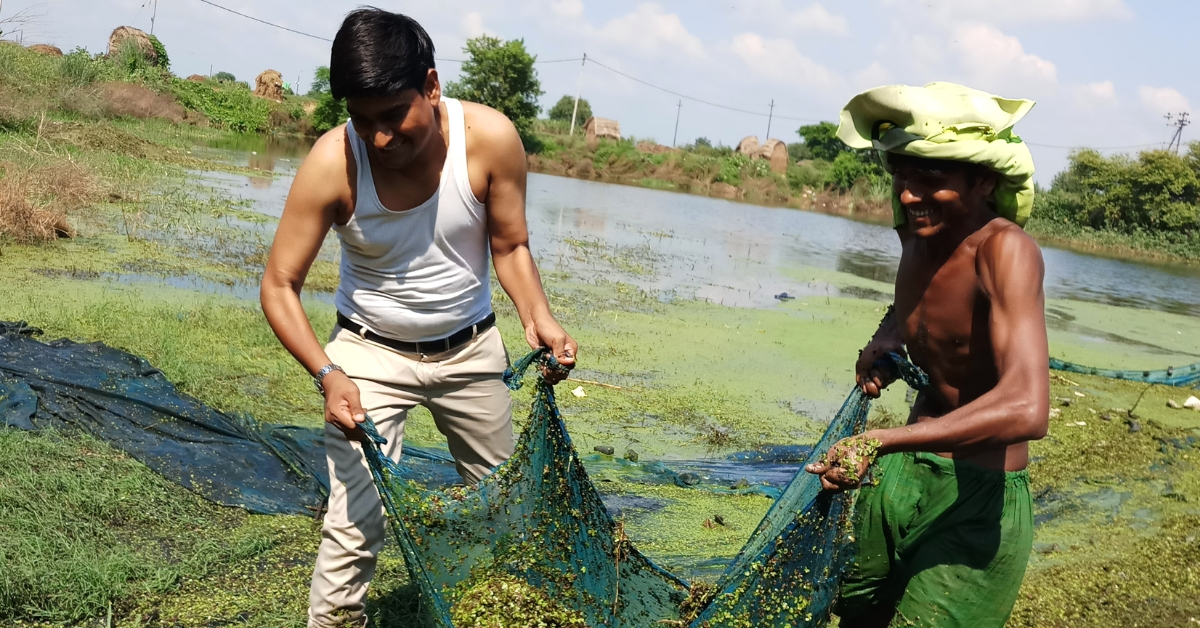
column 1104, row 72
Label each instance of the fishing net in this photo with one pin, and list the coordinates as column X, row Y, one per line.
column 1181, row 376
column 537, row 529
column 120, row 398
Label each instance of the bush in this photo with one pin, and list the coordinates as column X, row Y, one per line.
column 330, row 112
column 730, row 170
column 1157, row 191
column 224, row 77
column 80, row 68
column 130, row 60
column 160, row 51
column 798, row 152
column 226, row 105
column 849, row 168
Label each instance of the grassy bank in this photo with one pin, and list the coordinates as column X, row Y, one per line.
column 705, row 170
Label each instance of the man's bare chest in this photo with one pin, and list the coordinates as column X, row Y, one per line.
column 942, row 311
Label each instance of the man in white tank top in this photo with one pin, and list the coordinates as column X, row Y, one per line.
column 418, row 188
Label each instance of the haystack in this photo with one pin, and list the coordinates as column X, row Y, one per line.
column 47, row 49
column 269, row 85
column 197, row 78
column 748, row 146
column 602, row 127
column 121, row 34
column 776, row 152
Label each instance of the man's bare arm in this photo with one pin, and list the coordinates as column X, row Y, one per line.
column 509, row 234
column 311, row 208
column 1017, row 409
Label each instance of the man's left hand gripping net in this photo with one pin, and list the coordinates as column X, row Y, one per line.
column 536, row 528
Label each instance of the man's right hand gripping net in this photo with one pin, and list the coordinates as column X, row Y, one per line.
column 535, row 538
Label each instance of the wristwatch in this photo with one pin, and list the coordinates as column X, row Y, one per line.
column 320, row 376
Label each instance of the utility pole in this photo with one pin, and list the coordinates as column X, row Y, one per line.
column 578, row 91
column 769, row 117
column 675, row 137
column 153, row 14
column 1178, row 121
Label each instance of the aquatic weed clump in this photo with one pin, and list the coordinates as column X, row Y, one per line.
column 490, row 599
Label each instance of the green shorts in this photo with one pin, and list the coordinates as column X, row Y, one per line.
column 943, row 543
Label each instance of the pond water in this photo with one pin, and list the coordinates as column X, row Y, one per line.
column 723, row 251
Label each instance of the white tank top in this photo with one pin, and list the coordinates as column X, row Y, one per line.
column 419, row 274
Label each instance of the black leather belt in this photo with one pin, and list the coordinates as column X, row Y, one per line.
column 427, row 347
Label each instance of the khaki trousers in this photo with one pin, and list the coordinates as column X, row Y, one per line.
column 463, row 389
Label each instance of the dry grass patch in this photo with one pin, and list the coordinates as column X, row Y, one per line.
column 135, row 101
column 35, row 200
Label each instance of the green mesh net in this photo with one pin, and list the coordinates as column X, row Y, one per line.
column 1187, row 376
column 534, row 538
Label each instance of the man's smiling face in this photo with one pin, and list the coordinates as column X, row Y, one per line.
column 937, row 194
column 398, row 128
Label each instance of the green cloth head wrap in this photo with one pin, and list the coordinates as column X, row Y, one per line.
column 951, row 122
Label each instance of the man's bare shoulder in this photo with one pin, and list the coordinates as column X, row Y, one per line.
column 1009, row 252
column 328, row 154
column 1008, row 239
column 488, row 128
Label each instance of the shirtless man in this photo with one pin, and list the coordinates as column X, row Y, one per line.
column 419, row 189
column 944, row 532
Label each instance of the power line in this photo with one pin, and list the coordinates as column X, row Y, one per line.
column 272, row 24
column 1094, row 147
column 292, row 30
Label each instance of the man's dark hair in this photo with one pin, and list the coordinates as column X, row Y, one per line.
column 377, row 53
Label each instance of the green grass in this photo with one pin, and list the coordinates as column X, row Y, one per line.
column 86, row 527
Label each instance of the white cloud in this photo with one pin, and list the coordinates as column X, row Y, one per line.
column 871, row 76
column 777, row 17
column 472, row 25
column 649, row 29
column 568, row 8
column 999, row 61
column 816, row 18
column 1163, row 100
column 1024, row 11
column 780, row 61
column 1094, row 95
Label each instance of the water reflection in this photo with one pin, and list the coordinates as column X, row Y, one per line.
column 743, row 255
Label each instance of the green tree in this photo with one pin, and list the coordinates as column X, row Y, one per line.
column 1157, row 191
column 704, row 141
column 225, row 77
column 822, row 140
column 562, row 110
column 799, row 151
column 320, row 83
column 500, row 74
